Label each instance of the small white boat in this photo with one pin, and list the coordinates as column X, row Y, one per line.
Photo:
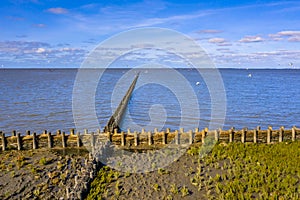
column 249, row 75
column 198, row 83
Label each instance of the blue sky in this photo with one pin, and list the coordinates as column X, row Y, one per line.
column 239, row 34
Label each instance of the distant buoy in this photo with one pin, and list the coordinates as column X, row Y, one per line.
column 249, row 75
column 198, row 83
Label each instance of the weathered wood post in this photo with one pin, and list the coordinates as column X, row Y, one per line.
column 19, row 141
column 128, row 131
column 13, row 133
column 58, row 132
column 293, row 133
column 92, row 140
column 72, row 131
column 281, row 132
column 177, row 137
column 34, row 141
column 217, row 135
column 123, row 142
column 85, row 132
column 231, row 134
column 181, row 130
column 63, row 140
column 269, row 135
column 164, row 138
column 155, row 130
column 44, row 132
column 109, row 136
column 78, row 139
column 168, row 130
column 243, row 136
column 196, row 130
column 255, row 134
column 136, row 138
column 27, row 132
column 4, row 143
column 115, row 131
column 50, row 142
column 150, row 141
column 203, row 134
column 191, row 137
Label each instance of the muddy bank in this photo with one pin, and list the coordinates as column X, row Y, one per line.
column 40, row 174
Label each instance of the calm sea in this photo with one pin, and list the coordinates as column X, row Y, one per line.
column 40, row 99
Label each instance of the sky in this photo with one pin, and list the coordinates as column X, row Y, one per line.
column 235, row 34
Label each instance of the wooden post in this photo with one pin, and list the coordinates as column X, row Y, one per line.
column 92, row 139
column 122, row 139
column 243, row 136
column 164, row 138
column 78, row 139
column 63, row 140
column 143, row 131
column 13, row 133
column 293, row 133
column 50, row 143
column 150, row 142
column 109, row 136
column 86, row 131
column 19, row 141
column 177, row 137
column 168, row 130
column 203, row 134
column 115, row 131
column 44, row 132
column 72, row 131
column 231, row 134
column 4, row 143
column 281, row 132
column 27, row 132
column 191, row 137
column 196, row 130
column 269, row 135
column 255, row 135
column 34, row 141
column 155, row 130
column 217, row 135
column 128, row 131
column 181, row 130
column 136, row 139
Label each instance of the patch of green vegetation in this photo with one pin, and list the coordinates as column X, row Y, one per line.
column 43, row 161
column 174, row 189
column 156, row 187
column 184, row 191
column 252, row 171
column 99, row 185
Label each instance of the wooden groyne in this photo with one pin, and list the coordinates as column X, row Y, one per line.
column 115, row 120
column 143, row 139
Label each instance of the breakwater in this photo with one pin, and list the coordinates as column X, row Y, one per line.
column 142, row 139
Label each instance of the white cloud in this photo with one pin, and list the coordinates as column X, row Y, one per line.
column 209, row 31
column 216, row 40
column 58, row 10
column 40, row 50
column 252, row 39
column 294, row 39
column 289, row 33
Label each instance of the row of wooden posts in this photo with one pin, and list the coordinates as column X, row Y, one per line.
column 60, row 139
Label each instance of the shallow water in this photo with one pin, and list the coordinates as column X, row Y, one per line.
column 41, row 99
